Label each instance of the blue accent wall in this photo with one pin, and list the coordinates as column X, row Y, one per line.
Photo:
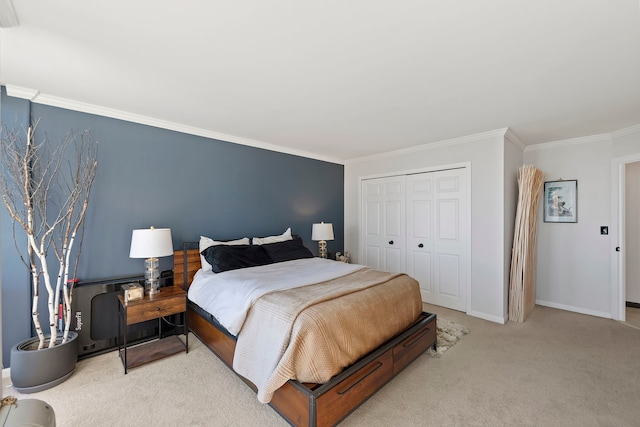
column 149, row 176
column 15, row 280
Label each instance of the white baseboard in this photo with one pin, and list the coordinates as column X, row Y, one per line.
column 488, row 317
column 575, row 309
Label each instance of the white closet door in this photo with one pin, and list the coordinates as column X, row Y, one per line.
column 437, row 236
column 383, row 226
column 420, row 230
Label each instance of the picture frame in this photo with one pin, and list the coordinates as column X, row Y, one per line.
column 561, row 201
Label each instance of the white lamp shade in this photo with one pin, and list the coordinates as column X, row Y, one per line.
column 322, row 231
column 151, row 243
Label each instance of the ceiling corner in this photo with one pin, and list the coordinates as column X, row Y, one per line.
column 8, row 17
column 511, row 136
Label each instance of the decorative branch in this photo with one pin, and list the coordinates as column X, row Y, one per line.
column 46, row 191
column 522, row 280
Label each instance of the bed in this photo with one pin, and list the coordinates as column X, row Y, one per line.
column 308, row 390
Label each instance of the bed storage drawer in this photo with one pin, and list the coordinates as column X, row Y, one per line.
column 414, row 345
column 337, row 402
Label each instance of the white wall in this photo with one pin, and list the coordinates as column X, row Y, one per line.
column 632, row 231
column 574, row 260
column 576, row 265
column 486, row 153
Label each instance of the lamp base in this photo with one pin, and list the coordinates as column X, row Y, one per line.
column 322, row 246
column 151, row 289
column 152, row 275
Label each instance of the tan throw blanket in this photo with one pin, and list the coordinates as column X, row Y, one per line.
column 312, row 333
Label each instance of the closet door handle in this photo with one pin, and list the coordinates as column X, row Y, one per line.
column 421, row 245
column 391, row 242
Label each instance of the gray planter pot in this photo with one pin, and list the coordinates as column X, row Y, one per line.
column 36, row 370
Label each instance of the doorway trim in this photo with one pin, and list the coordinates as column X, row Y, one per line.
column 618, row 264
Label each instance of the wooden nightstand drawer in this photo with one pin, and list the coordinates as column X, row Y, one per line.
column 155, row 309
column 170, row 300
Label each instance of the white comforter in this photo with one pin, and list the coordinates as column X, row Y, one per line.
column 229, row 295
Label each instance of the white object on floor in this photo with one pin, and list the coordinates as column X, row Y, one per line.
column 27, row 412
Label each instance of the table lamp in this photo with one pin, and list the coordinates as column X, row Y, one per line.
column 151, row 243
column 322, row 232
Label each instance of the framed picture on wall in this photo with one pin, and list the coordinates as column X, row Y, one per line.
column 561, row 201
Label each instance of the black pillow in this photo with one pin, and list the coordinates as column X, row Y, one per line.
column 231, row 257
column 287, row 250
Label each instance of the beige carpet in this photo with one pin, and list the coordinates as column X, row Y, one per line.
column 556, row 369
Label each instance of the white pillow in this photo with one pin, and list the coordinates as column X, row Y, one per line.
column 273, row 239
column 206, row 242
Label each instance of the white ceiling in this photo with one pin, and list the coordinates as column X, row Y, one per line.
column 336, row 79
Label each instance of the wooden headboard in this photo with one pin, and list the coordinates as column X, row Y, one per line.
column 191, row 265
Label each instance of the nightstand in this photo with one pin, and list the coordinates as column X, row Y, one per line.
column 170, row 300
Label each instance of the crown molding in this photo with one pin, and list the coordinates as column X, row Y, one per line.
column 511, row 136
column 508, row 134
column 631, row 130
column 499, row 133
column 626, row 131
column 54, row 101
column 568, row 142
column 22, row 92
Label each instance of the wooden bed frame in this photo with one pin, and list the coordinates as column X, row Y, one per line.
column 303, row 404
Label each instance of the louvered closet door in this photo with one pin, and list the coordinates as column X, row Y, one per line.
column 437, row 236
column 383, row 226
